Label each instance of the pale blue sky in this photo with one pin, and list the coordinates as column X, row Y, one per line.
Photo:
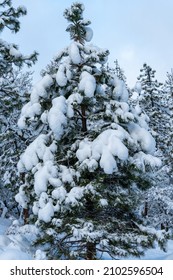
column 135, row 31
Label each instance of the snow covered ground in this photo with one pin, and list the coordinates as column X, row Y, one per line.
column 13, row 247
column 18, row 246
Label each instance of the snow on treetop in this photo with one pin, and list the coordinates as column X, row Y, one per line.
column 22, row 9
column 76, row 9
column 78, row 29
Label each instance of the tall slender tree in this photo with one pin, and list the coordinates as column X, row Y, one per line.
column 153, row 99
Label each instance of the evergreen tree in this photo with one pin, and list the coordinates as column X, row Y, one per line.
column 14, row 93
column 160, row 207
column 119, row 72
column 14, row 86
column 154, row 100
column 84, row 172
column 151, row 102
column 167, row 108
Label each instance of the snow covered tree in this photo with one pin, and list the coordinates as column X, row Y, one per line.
column 14, row 93
column 9, row 53
column 153, row 100
column 14, row 86
column 169, row 82
column 119, row 71
column 160, row 207
column 167, row 105
column 84, row 172
column 156, row 101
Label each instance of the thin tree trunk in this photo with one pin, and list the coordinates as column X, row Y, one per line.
column 91, row 251
column 145, row 213
column 84, row 121
column 90, row 246
column 25, row 216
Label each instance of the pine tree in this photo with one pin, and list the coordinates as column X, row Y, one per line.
column 154, row 100
column 14, row 86
column 151, row 102
column 84, row 172
column 119, row 72
column 14, row 93
column 167, row 105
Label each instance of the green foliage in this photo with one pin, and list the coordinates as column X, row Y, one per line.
column 77, row 28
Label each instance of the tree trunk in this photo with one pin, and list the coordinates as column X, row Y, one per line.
column 145, row 213
column 90, row 246
column 84, row 123
column 164, row 226
column 25, row 216
column 91, row 251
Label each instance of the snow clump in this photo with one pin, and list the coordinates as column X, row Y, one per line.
column 74, row 53
column 87, row 84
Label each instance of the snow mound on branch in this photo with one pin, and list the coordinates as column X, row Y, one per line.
column 74, row 195
column 141, row 160
column 142, row 137
column 37, row 150
column 41, row 87
column 108, row 145
column 75, row 98
column 74, row 53
column 14, row 52
column 29, row 110
column 87, row 84
column 57, row 116
column 84, row 150
column 88, row 34
column 33, row 108
column 21, row 197
column 64, row 73
column 61, row 78
column 46, row 213
column 43, row 176
column 120, row 92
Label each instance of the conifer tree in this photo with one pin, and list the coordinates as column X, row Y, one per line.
column 84, row 172
column 119, row 71
column 151, row 102
column 14, row 86
column 167, row 105
column 154, row 100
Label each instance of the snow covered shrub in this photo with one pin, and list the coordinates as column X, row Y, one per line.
column 85, row 169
